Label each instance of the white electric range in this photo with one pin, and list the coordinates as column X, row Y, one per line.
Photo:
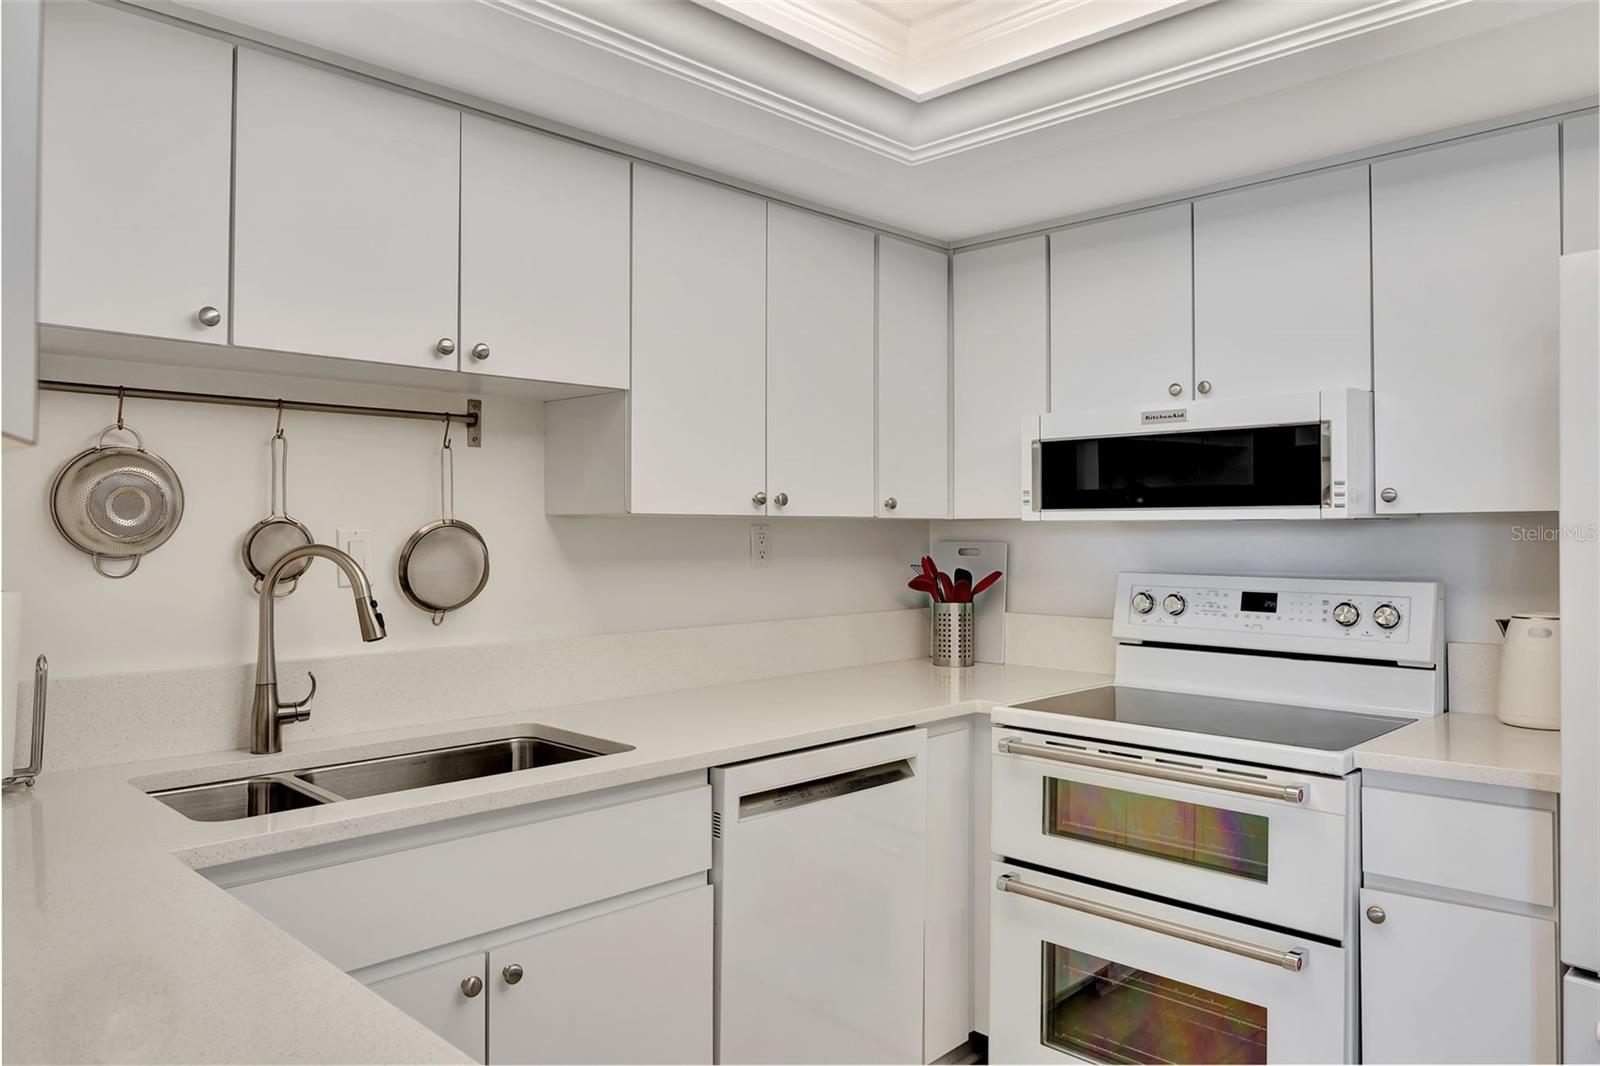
column 1179, row 852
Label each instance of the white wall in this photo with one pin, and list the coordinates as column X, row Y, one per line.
column 191, row 604
column 1068, row 568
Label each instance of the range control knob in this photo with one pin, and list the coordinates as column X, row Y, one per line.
column 1387, row 615
column 1143, row 602
column 1173, row 604
column 1347, row 614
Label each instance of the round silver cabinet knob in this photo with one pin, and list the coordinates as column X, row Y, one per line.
column 1174, row 604
column 1387, row 616
column 1203, row 388
column 446, row 346
column 1388, row 495
column 1174, row 389
column 1347, row 614
column 512, row 974
column 209, row 316
column 1143, row 602
column 471, row 986
column 1376, row 915
column 890, row 504
column 759, row 499
column 781, row 499
column 480, row 352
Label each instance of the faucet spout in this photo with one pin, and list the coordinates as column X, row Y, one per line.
column 268, row 714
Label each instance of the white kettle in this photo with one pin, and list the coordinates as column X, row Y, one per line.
column 1530, row 671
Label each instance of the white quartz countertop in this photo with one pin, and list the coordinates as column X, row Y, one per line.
column 1469, row 747
column 116, row 950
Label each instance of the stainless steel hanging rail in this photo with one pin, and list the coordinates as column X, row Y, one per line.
column 472, row 418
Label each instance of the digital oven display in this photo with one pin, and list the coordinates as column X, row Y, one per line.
column 1259, row 602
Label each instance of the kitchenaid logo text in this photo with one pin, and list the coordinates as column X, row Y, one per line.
column 1178, row 414
column 1572, row 533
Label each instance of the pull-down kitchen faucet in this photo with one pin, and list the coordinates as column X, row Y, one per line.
column 267, row 713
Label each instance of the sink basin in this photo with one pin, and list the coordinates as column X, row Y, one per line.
column 238, row 799
column 396, row 773
column 537, row 746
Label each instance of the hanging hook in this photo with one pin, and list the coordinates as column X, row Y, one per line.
column 122, row 391
column 447, row 431
column 279, row 433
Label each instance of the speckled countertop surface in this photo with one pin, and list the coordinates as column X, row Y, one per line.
column 117, row 951
column 1469, row 747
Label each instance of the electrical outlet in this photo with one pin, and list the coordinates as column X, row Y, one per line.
column 356, row 543
column 760, row 545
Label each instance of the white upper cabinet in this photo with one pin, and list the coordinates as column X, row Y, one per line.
column 134, row 169
column 1120, row 324
column 698, row 401
column 1465, row 240
column 1580, row 184
column 1000, row 362
column 1283, row 287
column 819, row 365
column 544, row 257
column 345, row 217
column 913, row 381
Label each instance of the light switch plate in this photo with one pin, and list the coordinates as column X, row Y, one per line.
column 356, row 543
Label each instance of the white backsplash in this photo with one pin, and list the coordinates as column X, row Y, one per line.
column 118, row 718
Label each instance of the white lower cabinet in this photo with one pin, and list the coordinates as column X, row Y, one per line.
column 1448, row 982
column 447, row 997
column 633, row 985
column 1580, row 1018
column 947, row 967
column 1457, row 923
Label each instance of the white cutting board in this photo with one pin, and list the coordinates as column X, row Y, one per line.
column 989, row 617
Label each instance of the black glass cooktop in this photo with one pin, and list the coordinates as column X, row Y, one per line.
column 1269, row 723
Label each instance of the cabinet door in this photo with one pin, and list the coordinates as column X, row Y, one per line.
column 21, row 39
column 633, row 985
column 134, row 171
column 947, row 970
column 345, row 217
column 1445, row 982
column 820, row 414
column 1121, row 333
column 999, row 312
column 1580, row 1019
column 698, row 402
column 438, row 997
column 913, row 381
column 1283, row 287
column 1464, row 246
column 544, row 257
column 1580, row 184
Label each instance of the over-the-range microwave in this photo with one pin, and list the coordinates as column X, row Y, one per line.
column 1302, row 455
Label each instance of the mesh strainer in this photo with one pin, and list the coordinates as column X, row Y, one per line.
column 445, row 564
column 115, row 503
column 268, row 539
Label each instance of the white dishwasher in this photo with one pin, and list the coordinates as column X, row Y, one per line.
column 818, row 862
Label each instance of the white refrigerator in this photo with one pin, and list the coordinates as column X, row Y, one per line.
column 1580, row 665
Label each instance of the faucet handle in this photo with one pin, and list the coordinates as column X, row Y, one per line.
column 300, row 707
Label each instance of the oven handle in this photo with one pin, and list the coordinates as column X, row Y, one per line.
column 1285, row 793
column 1294, row 961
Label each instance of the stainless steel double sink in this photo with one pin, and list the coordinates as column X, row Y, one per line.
column 535, row 746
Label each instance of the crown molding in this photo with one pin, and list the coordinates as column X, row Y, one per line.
column 1242, row 37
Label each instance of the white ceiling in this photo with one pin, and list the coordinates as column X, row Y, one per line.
column 1222, row 91
column 925, row 49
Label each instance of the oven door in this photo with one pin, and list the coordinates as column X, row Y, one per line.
column 1268, row 845
column 1080, row 973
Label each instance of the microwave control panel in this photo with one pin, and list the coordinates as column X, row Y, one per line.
column 1355, row 619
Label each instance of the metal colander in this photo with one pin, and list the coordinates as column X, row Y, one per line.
column 115, row 503
column 445, row 564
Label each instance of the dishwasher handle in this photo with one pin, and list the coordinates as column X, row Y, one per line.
column 816, row 790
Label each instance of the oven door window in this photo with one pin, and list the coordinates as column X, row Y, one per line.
column 1102, row 1011
column 1215, row 838
column 1263, row 466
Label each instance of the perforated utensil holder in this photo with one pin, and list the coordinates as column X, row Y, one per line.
column 950, row 640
